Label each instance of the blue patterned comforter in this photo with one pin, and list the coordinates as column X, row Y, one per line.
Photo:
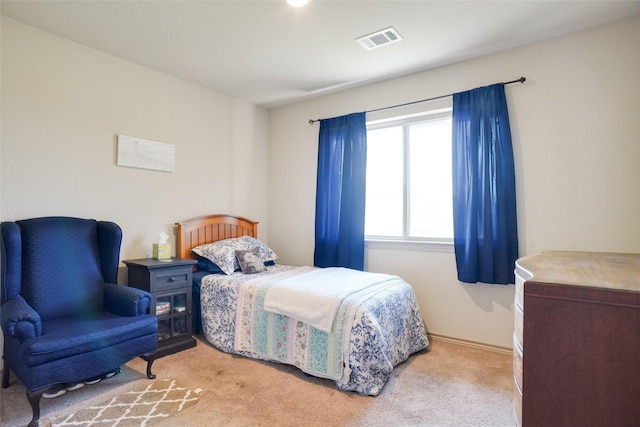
column 374, row 331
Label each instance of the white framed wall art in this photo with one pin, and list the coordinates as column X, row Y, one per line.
column 145, row 154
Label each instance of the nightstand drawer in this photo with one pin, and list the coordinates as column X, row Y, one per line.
column 169, row 278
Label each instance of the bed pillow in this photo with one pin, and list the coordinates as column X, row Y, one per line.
column 250, row 260
column 207, row 265
column 223, row 252
column 268, row 255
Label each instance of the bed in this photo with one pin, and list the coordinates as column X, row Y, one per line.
column 348, row 326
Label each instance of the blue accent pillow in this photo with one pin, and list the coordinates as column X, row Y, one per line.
column 207, row 265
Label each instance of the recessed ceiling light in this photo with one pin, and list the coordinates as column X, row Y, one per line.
column 379, row 38
column 298, row 3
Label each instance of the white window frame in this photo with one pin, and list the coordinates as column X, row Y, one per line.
column 413, row 114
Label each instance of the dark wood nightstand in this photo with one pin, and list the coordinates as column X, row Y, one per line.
column 169, row 281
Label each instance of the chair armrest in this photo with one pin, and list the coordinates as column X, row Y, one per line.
column 125, row 300
column 19, row 320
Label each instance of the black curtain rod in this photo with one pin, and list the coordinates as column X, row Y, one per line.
column 520, row 80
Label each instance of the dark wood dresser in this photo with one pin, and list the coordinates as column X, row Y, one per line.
column 577, row 339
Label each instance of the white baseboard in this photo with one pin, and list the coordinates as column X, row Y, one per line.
column 472, row 344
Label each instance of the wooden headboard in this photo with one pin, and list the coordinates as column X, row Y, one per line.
column 209, row 229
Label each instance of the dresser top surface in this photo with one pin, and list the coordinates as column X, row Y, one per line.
column 591, row 269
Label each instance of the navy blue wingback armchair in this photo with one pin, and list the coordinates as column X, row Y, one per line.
column 63, row 316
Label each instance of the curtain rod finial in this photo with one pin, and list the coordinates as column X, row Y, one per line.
column 522, row 79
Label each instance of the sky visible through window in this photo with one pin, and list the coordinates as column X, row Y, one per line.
column 418, row 188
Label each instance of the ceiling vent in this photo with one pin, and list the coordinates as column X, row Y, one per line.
column 379, row 38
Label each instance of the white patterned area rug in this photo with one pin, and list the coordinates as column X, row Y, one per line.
column 144, row 406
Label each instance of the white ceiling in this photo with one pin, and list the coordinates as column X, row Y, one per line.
column 271, row 54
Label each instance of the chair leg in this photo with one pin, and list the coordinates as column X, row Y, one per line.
column 34, row 401
column 149, row 374
column 5, row 374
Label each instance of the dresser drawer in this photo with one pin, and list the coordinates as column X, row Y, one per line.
column 169, row 278
column 519, row 298
column 517, row 364
column 518, row 325
column 517, row 404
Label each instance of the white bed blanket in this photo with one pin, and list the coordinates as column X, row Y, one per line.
column 314, row 297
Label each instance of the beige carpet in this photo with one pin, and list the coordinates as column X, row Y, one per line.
column 449, row 385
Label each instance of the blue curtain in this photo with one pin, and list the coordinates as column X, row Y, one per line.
column 484, row 191
column 340, row 192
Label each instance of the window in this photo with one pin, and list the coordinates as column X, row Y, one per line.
column 409, row 178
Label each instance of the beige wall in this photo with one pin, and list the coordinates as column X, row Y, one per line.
column 63, row 106
column 576, row 134
column 575, row 127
